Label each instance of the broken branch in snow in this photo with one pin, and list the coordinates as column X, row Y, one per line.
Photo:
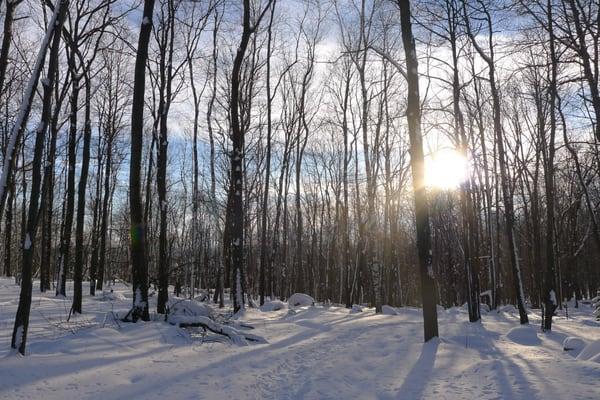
column 237, row 337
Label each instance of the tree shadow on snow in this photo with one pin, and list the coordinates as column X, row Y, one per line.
column 415, row 382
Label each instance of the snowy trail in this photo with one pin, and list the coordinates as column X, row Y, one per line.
column 318, row 353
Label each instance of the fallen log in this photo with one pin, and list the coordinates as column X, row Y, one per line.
column 197, row 321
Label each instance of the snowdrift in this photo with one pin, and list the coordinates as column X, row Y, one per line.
column 574, row 345
column 524, row 335
column 388, row 310
column 591, row 352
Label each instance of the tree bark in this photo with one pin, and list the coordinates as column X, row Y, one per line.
column 19, row 336
column 137, row 239
column 417, row 161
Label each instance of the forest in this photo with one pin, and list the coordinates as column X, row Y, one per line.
column 380, row 155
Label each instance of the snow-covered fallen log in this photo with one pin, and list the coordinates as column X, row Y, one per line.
column 199, row 321
column 186, row 313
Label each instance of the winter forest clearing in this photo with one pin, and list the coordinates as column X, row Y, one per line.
column 315, row 352
column 300, row 198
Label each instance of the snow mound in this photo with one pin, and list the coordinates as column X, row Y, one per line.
column 300, row 300
column 186, row 307
column 524, row 335
column 274, row 305
column 508, row 309
column 574, row 345
column 591, row 352
column 589, row 322
column 356, row 309
column 388, row 310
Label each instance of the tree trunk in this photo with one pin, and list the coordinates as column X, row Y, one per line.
column 19, row 336
column 137, row 235
column 417, row 161
column 65, row 241
column 85, row 164
column 550, row 295
column 265, row 200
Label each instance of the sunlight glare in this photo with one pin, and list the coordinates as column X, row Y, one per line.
column 445, row 169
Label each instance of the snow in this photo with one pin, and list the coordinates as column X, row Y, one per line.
column 388, row 310
column 315, row 353
column 187, row 307
column 109, row 295
column 300, row 300
column 27, row 243
column 508, row 309
column 553, row 297
column 591, row 352
column 138, row 301
column 19, row 336
column 525, row 335
column 356, row 309
column 274, row 305
column 574, row 345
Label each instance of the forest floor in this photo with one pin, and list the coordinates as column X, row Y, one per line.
column 320, row 352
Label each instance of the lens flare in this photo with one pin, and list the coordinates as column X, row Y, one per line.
column 446, row 169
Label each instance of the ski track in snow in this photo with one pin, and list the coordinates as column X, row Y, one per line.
column 317, row 353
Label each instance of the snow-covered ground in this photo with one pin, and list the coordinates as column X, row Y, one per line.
column 313, row 352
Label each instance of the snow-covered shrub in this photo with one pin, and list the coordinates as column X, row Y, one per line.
column 300, row 300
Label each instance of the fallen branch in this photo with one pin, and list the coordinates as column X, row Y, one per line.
column 237, row 337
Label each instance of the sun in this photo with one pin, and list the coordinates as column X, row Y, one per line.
column 445, row 169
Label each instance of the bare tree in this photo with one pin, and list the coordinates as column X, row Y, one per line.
column 138, row 242
column 19, row 336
